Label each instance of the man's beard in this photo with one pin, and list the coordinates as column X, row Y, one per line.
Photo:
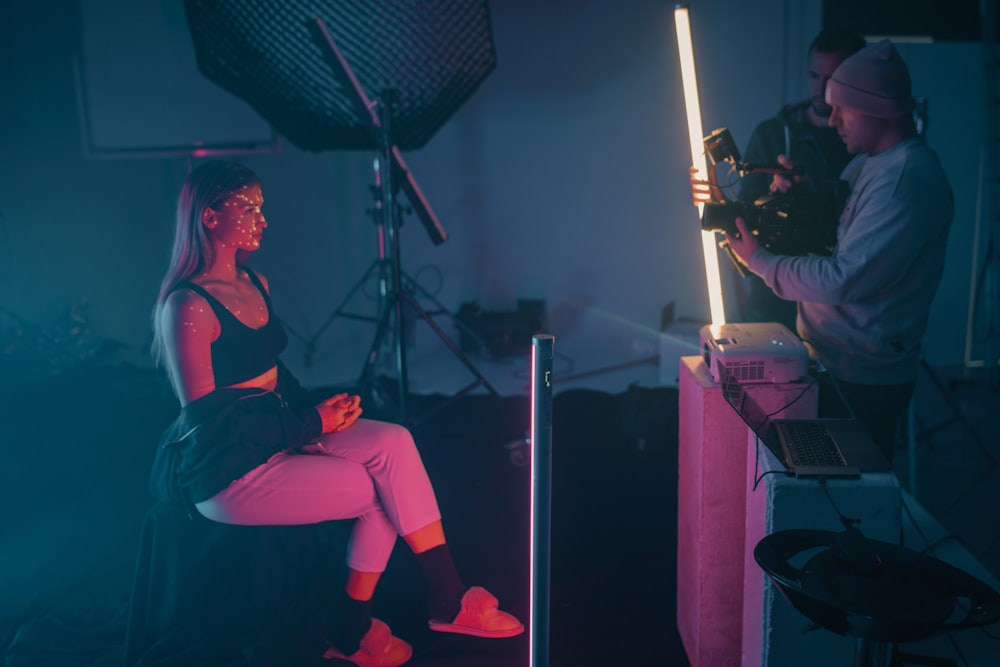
column 820, row 107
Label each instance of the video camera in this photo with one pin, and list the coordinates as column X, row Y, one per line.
column 798, row 222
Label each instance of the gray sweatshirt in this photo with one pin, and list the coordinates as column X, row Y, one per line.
column 863, row 310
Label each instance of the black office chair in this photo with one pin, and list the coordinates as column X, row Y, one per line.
column 879, row 593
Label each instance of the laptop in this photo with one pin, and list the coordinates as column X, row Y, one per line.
column 807, row 448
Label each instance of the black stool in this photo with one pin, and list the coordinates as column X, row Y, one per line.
column 207, row 593
column 888, row 595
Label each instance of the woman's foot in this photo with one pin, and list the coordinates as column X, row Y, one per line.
column 378, row 648
column 480, row 617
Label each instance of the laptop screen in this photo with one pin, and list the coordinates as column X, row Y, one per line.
column 745, row 406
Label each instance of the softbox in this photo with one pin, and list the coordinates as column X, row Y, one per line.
column 432, row 54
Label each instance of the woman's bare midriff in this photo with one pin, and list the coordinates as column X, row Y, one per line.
column 267, row 380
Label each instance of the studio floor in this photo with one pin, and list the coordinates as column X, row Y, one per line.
column 77, row 447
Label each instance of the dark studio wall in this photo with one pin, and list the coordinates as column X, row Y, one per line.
column 564, row 176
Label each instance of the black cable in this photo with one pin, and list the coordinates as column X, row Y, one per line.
column 415, row 279
column 759, row 479
column 756, row 427
column 796, row 399
column 728, row 189
column 756, row 465
column 844, row 519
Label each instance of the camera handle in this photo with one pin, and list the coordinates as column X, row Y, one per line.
column 734, row 259
column 745, row 168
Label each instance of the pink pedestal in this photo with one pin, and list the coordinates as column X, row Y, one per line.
column 711, row 510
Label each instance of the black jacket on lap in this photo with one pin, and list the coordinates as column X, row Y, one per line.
column 223, row 435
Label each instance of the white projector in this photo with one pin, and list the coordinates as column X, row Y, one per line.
column 754, row 352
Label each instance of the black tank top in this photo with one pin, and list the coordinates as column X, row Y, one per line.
column 241, row 352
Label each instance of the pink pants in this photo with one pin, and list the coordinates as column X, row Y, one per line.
column 371, row 472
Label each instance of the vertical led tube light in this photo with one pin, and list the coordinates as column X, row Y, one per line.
column 542, row 346
column 682, row 23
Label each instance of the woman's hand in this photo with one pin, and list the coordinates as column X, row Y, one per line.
column 339, row 412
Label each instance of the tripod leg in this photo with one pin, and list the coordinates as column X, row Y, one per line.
column 337, row 312
column 367, row 377
column 451, row 346
column 412, row 287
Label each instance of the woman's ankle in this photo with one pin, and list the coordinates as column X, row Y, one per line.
column 426, row 538
column 353, row 620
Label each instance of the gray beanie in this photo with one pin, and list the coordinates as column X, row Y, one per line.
column 874, row 81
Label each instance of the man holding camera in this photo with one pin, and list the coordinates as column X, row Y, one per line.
column 800, row 132
column 863, row 310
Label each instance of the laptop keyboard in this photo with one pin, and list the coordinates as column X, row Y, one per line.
column 811, row 445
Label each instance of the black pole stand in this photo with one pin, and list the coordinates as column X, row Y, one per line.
column 391, row 174
column 542, row 347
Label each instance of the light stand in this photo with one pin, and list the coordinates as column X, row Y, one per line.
column 389, row 166
column 542, row 347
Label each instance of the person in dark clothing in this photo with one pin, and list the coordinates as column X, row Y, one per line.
column 800, row 132
column 249, row 446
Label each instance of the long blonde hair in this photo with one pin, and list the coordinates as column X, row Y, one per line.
column 207, row 185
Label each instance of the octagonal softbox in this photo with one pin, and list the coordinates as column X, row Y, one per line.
column 432, row 54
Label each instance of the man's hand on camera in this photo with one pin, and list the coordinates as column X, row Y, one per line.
column 782, row 183
column 744, row 245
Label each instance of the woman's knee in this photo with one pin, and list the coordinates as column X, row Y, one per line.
column 373, row 444
column 396, row 441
